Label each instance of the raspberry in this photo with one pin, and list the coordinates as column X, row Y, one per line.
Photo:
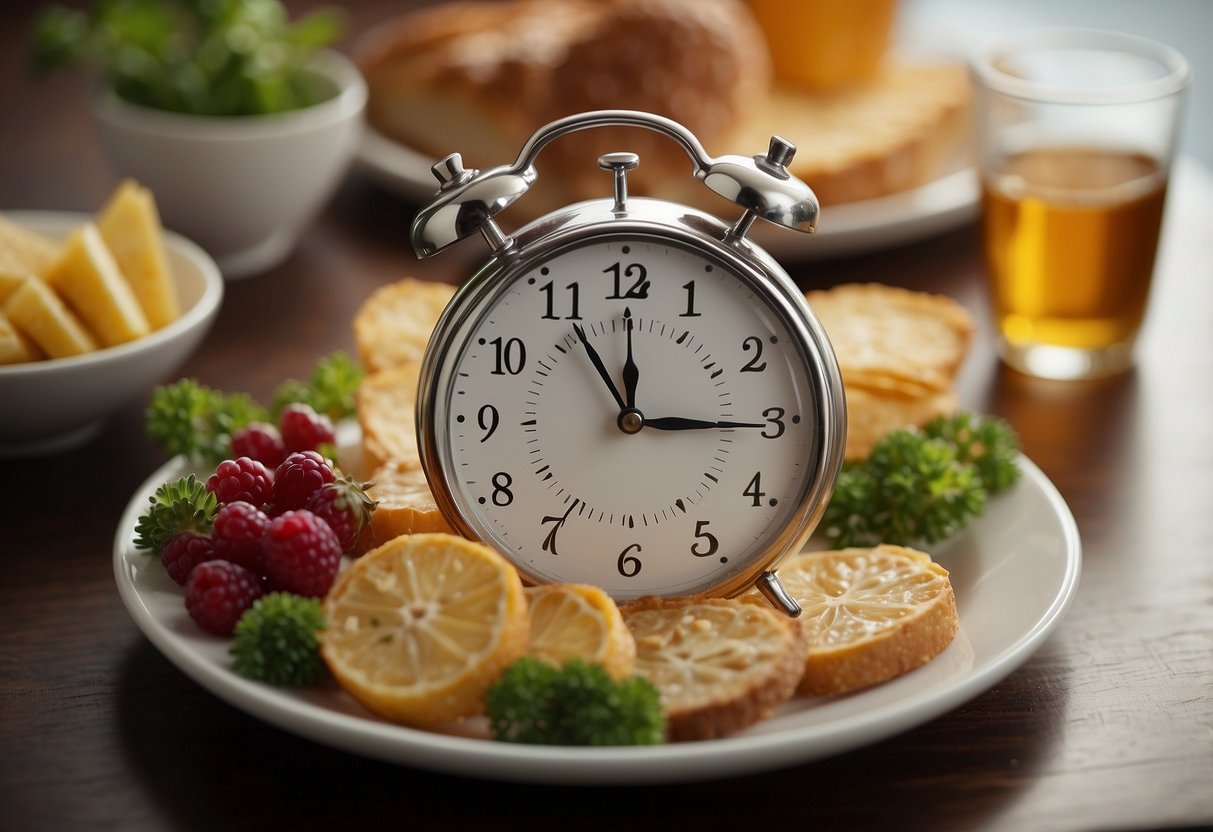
column 300, row 474
column 302, row 554
column 241, row 479
column 217, row 594
column 260, row 441
column 345, row 507
column 303, row 429
column 237, row 533
column 182, row 552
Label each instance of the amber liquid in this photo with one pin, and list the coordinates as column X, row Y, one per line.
column 1070, row 236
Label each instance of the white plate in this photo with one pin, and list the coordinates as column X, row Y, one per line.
column 940, row 205
column 1015, row 572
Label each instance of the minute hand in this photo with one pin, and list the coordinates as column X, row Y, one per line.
column 680, row 423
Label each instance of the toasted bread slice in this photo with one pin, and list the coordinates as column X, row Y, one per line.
column 868, row 615
column 393, row 325
column 720, row 664
column 386, row 404
column 404, row 505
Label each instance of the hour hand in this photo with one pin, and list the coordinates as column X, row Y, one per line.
column 681, row 423
column 596, row 360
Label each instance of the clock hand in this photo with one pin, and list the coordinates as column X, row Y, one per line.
column 680, row 423
column 631, row 374
column 598, row 365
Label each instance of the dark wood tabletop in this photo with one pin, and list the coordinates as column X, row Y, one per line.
column 1109, row 725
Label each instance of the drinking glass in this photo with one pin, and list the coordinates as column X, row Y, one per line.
column 1077, row 131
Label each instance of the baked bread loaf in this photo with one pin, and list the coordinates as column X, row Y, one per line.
column 480, row 77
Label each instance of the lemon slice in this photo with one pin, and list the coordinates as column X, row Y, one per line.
column 719, row 664
column 420, row 627
column 405, row 505
column 868, row 615
column 579, row 621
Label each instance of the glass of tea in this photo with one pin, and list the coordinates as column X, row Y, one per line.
column 1076, row 133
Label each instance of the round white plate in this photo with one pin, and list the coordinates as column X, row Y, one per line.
column 851, row 228
column 1015, row 571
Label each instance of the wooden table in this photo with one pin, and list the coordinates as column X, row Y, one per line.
column 1108, row 726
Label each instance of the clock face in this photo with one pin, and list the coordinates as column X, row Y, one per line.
column 630, row 413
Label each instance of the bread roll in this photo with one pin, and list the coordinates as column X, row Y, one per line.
column 480, row 77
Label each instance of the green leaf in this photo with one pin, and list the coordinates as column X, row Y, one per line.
column 204, row 57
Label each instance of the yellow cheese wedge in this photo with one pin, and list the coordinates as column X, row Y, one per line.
column 130, row 225
column 89, row 280
column 10, row 280
column 23, row 251
column 37, row 311
column 15, row 348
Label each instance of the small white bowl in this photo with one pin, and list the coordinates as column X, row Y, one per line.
column 242, row 187
column 53, row 405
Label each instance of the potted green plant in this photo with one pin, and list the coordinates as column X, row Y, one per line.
column 240, row 120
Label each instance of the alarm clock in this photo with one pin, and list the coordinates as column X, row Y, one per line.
column 630, row 392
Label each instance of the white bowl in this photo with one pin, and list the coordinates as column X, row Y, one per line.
column 242, row 187
column 53, row 405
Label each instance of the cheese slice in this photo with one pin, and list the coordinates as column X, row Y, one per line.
column 36, row 311
column 23, row 251
column 15, row 348
column 88, row 278
column 130, row 225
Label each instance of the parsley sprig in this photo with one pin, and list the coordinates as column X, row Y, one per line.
column 922, row 485
column 197, row 421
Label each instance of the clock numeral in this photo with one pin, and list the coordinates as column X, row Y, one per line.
column 558, row 521
column 574, row 297
column 639, row 290
column 754, row 489
column 628, row 565
column 690, row 313
column 755, row 364
column 488, row 419
column 502, row 496
column 509, row 356
column 773, row 415
column 710, row 544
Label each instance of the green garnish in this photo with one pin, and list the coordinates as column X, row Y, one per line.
column 577, row 704
column 922, row 485
column 196, row 421
column 180, row 506
column 202, row 57
column 329, row 390
column 277, row 641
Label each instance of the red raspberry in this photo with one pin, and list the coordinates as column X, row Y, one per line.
column 260, row 441
column 217, row 594
column 303, row 429
column 183, row 552
column 242, row 479
column 345, row 507
column 300, row 474
column 302, row 554
column 237, row 532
